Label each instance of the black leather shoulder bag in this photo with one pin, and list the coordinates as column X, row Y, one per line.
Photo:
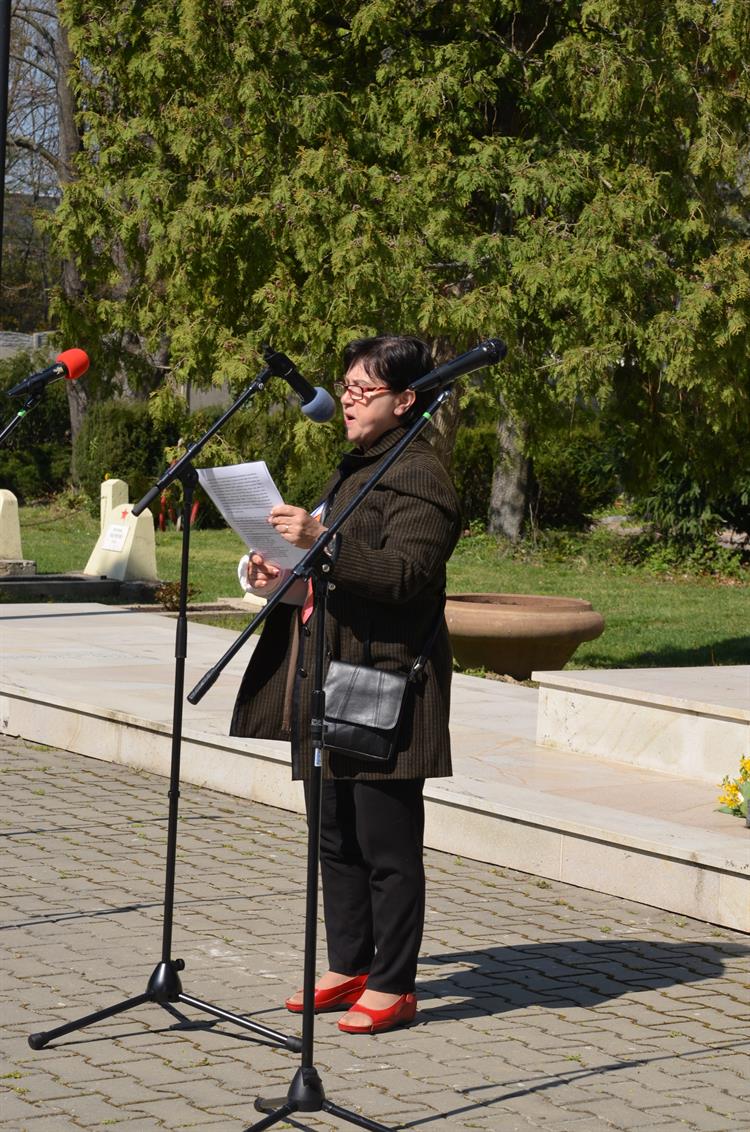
column 365, row 705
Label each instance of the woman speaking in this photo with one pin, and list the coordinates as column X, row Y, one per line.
column 385, row 605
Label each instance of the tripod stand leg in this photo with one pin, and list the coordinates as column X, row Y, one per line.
column 39, row 1041
column 256, row 1027
column 277, row 1115
column 353, row 1117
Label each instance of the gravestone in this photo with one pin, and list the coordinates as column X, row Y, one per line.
column 126, row 547
column 12, row 561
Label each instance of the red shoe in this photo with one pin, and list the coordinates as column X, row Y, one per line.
column 331, row 998
column 402, row 1011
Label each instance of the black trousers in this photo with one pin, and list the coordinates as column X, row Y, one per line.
column 371, row 843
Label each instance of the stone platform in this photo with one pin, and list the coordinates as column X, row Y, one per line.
column 685, row 721
column 73, row 587
column 98, row 680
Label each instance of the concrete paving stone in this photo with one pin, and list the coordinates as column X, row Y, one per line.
column 168, row 1112
column 733, row 1083
column 125, row 1090
column 59, row 1123
column 17, row 1108
column 538, row 1110
column 35, row 1086
column 448, row 1116
column 684, row 1071
column 659, row 1076
column 638, row 1094
column 671, row 1124
column 703, row 1034
column 152, row 1073
column 614, row 1113
column 717, row 1105
column 242, row 1078
column 206, row 1095
column 90, row 1110
column 100, row 1051
column 497, row 973
column 206, row 1123
column 733, row 1015
column 639, row 1034
column 349, row 1065
column 683, row 1114
column 59, row 1066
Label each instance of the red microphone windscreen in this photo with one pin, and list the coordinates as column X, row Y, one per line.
column 75, row 361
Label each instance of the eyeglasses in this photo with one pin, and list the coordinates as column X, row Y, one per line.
column 357, row 392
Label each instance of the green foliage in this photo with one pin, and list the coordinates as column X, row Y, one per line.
column 707, row 558
column 570, row 175
column 299, row 454
column 688, row 509
column 29, row 268
column 574, row 476
column 474, row 457
column 574, row 473
column 168, row 595
column 35, row 460
column 627, row 548
column 119, row 439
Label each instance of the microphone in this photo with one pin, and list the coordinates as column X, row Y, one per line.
column 485, row 354
column 71, row 364
column 317, row 404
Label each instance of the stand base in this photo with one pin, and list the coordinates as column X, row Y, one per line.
column 164, row 987
column 306, row 1094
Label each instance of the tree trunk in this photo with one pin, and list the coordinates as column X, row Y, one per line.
column 442, row 435
column 510, row 481
column 70, row 145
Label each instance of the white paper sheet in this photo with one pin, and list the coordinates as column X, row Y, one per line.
column 245, row 494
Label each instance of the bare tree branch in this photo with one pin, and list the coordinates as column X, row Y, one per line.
column 39, row 28
column 25, row 62
column 35, row 147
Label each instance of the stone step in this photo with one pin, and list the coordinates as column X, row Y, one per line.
column 98, row 681
column 690, row 722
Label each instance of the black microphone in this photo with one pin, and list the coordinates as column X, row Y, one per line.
column 317, row 404
column 71, row 364
column 485, row 354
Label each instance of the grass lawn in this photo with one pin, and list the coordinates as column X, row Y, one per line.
column 651, row 619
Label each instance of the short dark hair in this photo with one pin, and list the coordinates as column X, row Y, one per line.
column 396, row 360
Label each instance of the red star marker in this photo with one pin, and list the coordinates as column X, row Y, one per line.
column 123, row 514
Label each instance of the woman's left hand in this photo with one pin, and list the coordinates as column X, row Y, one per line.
column 295, row 525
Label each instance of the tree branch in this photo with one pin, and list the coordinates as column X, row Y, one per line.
column 37, row 66
column 38, row 27
column 41, row 151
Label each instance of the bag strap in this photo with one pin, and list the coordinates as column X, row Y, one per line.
column 417, row 669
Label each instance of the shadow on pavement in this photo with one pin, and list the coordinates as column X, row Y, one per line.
column 565, row 973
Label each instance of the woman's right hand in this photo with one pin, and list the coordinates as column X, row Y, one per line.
column 255, row 573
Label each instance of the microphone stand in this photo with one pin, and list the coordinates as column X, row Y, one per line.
column 25, row 409
column 164, row 986
column 306, row 1092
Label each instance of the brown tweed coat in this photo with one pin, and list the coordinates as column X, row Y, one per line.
column 389, row 576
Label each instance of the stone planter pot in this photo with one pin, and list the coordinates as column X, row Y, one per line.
column 515, row 634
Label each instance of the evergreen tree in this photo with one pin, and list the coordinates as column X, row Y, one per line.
column 568, row 176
